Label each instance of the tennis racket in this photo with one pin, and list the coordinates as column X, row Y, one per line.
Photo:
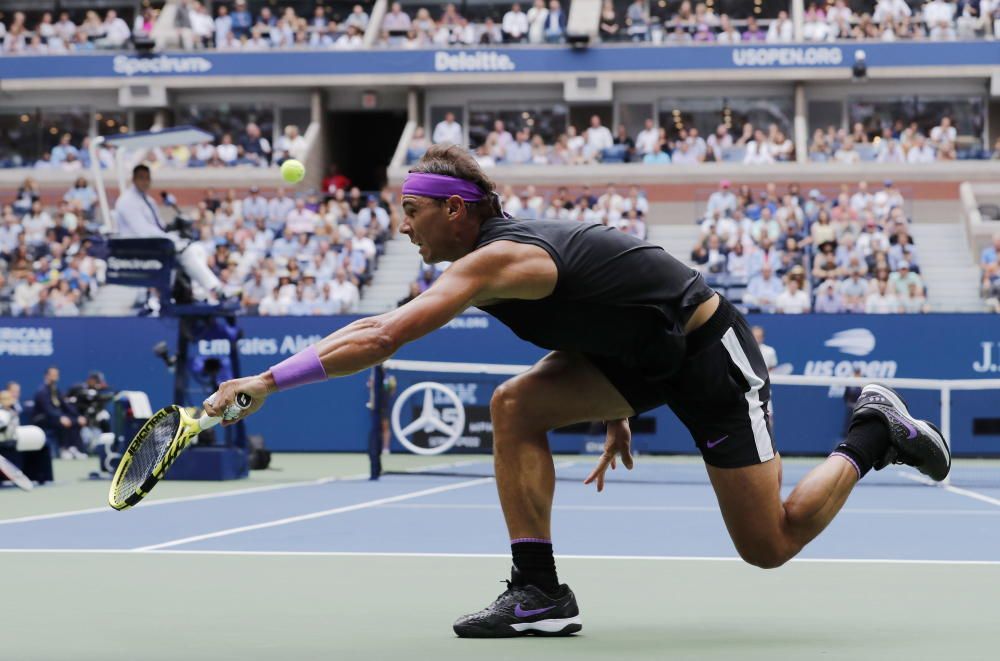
column 155, row 448
column 14, row 474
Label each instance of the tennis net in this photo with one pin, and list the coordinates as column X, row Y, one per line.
column 438, row 416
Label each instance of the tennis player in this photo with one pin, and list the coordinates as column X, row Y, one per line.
column 630, row 329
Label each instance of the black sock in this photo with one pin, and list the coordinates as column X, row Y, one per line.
column 866, row 443
column 533, row 560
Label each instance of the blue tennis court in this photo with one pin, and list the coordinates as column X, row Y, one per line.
column 428, row 547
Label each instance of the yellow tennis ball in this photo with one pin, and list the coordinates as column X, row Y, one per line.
column 292, row 171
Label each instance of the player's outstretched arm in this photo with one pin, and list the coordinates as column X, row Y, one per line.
column 502, row 270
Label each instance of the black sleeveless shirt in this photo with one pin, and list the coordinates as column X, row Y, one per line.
column 616, row 296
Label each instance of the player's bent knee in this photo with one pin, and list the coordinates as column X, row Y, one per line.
column 509, row 401
column 766, row 556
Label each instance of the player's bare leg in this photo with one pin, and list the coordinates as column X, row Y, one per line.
column 768, row 532
column 561, row 389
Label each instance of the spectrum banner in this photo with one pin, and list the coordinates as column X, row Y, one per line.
column 555, row 59
column 333, row 416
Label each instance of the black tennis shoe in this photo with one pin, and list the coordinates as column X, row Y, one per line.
column 522, row 610
column 913, row 442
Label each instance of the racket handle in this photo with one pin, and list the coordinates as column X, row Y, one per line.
column 243, row 401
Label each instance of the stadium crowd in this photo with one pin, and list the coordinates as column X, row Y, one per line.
column 249, row 147
column 306, row 255
column 750, row 145
column 238, row 26
column 898, row 143
column 989, row 265
column 793, row 253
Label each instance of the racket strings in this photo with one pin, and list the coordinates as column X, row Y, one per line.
column 149, row 454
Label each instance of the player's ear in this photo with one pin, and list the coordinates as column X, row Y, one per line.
column 455, row 207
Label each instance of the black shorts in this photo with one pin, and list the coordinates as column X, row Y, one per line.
column 721, row 392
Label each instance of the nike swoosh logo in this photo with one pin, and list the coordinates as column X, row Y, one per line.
column 910, row 428
column 520, row 612
column 712, row 444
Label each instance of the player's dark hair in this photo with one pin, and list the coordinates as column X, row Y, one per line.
column 456, row 161
column 140, row 168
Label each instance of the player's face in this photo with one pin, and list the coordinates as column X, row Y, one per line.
column 429, row 225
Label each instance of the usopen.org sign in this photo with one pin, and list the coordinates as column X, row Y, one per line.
column 164, row 64
column 812, row 56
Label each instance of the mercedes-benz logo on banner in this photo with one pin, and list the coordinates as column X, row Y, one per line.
column 430, row 419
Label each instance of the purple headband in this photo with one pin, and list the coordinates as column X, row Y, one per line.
column 441, row 186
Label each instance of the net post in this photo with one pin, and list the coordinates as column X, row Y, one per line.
column 376, row 396
column 946, row 422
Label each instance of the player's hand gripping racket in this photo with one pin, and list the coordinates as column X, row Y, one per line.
column 155, row 448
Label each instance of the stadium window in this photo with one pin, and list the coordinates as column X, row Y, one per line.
column 821, row 114
column 20, row 138
column 967, row 113
column 634, row 116
column 223, row 118
column 548, row 120
column 707, row 113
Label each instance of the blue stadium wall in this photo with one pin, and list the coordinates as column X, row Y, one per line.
column 333, row 417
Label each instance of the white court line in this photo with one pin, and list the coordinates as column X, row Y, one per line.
column 504, row 556
column 682, row 508
column 223, row 494
column 947, row 487
column 315, row 515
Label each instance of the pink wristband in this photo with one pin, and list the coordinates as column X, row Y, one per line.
column 303, row 368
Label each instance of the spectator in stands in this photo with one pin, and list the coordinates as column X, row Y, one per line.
column 846, row 154
column 854, row 291
column 920, row 151
column 116, row 31
column 647, row 141
column 758, row 151
column 227, row 152
column 610, row 28
column 82, row 197
column 882, row 301
column 781, row 29
column 537, row 17
column 290, row 145
column 555, row 23
column 989, row 264
column 396, row 24
column 900, row 281
column 448, row 130
column 939, row 17
column 223, row 26
column 828, row 300
column 753, row 31
column 239, row 24
column 792, row 300
column 61, row 422
column 255, row 147
column 515, row 25
column 722, row 200
column 943, row 134
column 301, row 219
column 637, row 20
column 413, row 292
column 914, row 301
column 598, row 138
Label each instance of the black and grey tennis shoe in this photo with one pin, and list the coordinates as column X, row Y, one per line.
column 913, row 442
column 523, row 610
